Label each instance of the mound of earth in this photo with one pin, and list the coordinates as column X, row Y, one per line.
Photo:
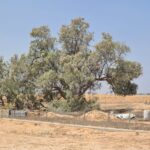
column 48, row 115
column 54, row 115
column 96, row 115
column 33, row 113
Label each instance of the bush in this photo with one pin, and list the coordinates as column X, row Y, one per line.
column 58, row 105
column 73, row 105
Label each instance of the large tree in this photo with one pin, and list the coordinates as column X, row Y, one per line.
column 78, row 67
column 69, row 66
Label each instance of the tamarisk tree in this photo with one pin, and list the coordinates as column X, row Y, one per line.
column 68, row 66
column 76, row 67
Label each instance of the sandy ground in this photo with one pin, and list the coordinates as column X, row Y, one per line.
column 17, row 135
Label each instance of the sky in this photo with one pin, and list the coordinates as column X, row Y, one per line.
column 127, row 21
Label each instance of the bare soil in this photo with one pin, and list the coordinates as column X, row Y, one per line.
column 92, row 118
column 19, row 135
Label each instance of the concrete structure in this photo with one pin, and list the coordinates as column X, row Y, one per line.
column 146, row 114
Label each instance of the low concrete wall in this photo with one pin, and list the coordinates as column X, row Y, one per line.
column 146, row 114
column 12, row 113
column 18, row 113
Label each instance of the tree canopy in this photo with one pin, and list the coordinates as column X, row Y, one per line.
column 67, row 67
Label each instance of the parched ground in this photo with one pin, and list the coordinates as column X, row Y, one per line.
column 20, row 135
column 109, row 101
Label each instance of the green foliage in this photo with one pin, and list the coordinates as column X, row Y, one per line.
column 75, row 37
column 73, row 105
column 67, row 69
column 125, row 88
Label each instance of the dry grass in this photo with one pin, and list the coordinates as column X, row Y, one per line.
column 130, row 102
column 19, row 135
column 16, row 135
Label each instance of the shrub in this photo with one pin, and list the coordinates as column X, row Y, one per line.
column 73, row 105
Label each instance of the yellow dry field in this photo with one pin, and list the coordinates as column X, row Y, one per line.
column 19, row 135
column 136, row 102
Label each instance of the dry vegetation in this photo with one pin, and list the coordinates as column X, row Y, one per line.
column 136, row 102
column 18, row 135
